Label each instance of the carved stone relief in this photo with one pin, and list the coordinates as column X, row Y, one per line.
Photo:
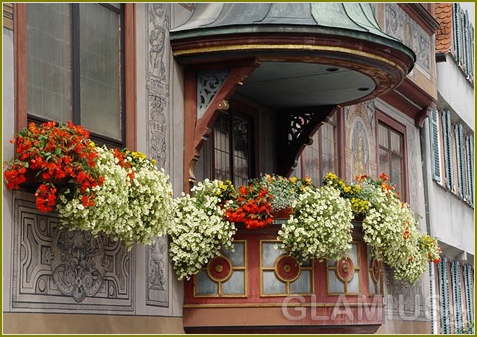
column 402, row 26
column 157, row 79
column 157, row 90
column 57, row 269
column 403, row 301
column 158, row 272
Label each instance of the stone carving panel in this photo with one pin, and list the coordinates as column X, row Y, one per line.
column 403, row 301
column 157, row 79
column 402, row 26
column 157, row 281
column 56, row 269
column 157, row 90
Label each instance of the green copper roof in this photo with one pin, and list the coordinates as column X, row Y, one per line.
column 344, row 19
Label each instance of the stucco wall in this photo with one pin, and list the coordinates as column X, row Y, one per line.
column 89, row 324
column 455, row 91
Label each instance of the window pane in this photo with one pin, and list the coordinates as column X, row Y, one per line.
column 383, row 136
column 221, row 144
column 302, row 285
column 396, row 142
column 205, row 286
column 328, row 149
column 241, row 150
column 238, row 255
column 235, row 285
column 396, row 171
column 49, row 61
column 100, row 70
column 384, row 161
column 271, row 285
column 311, row 154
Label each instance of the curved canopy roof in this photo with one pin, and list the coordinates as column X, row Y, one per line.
column 310, row 53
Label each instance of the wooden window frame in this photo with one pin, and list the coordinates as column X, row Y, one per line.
column 129, row 63
column 398, row 127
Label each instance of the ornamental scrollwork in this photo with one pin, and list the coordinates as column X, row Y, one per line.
column 208, row 84
column 78, row 263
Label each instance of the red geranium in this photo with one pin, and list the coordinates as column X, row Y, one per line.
column 252, row 206
column 54, row 153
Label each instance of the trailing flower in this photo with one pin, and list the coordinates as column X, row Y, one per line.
column 320, row 226
column 390, row 227
column 430, row 247
column 133, row 204
column 55, row 153
column 200, row 229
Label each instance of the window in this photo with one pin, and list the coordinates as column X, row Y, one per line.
column 391, row 152
column 463, row 41
column 229, row 152
column 455, row 290
column 458, row 148
column 322, row 155
column 75, row 66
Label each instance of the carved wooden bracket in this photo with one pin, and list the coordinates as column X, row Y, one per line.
column 293, row 133
column 198, row 124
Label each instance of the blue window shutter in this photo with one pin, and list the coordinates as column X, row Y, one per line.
column 444, row 296
column 469, row 147
column 448, row 153
column 435, row 146
column 459, row 146
column 457, row 296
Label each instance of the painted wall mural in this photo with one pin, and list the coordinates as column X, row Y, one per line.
column 360, row 143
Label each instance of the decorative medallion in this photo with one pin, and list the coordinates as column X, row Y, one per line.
column 374, row 269
column 78, row 263
column 219, row 269
column 287, row 268
column 345, row 269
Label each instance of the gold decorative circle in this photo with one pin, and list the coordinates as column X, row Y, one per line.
column 219, row 269
column 374, row 269
column 345, row 269
column 287, row 268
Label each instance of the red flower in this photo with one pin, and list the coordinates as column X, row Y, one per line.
column 58, row 153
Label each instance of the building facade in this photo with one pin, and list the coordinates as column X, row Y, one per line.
column 231, row 91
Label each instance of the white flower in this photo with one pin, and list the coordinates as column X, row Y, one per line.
column 200, row 230
column 320, row 226
column 130, row 210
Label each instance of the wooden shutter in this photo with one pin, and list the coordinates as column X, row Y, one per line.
column 469, row 293
column 448, row 153
column 444, row 296
column 469, row 147
column 457, row 296
column 456, row 20
column 435, row 146
column 459, row 146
